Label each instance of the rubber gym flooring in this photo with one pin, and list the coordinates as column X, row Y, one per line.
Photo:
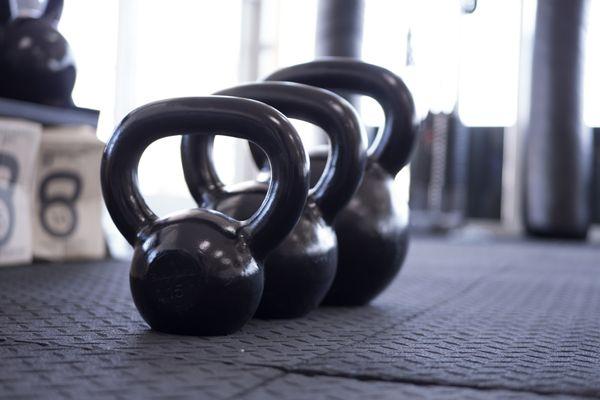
column 501, row 319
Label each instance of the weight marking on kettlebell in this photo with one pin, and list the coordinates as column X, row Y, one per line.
column 171, row 275
column 58, row 215
column 5, row 221
column 7, row 211
column 174, row 277
column 170, row 294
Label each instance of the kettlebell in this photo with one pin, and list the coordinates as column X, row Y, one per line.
column 58, row 213
column 199, row 272
column 36, row 61
column 299, row 272
column 372, row 230
column 7, row 207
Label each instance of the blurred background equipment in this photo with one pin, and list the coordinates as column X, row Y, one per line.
column 438, row 188
column 438, row 184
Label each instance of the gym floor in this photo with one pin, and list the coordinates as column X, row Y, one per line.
column 468, row 319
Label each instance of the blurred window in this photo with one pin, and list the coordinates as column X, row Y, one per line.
column 91, row 28
column 133, row 52
column 489, row 63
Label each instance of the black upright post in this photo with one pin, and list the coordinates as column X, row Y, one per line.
column 340, row 28
column 340, row 31
column 558, row 147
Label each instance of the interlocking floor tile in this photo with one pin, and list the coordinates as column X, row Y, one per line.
column 299, row 387
column 531, row 326
column 463, row 320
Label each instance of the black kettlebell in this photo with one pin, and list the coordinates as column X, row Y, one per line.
column 299, row 272
column 35, row 59
column 58, row 213
column 372, row 230
column 199, row 271
column 7, row 207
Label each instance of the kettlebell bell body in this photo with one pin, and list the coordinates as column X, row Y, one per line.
column 36, row 60
column 374, row 242
column 372, row 230
column 295, row 280
column 7, row 208
column 298, row 272
column 192, row 274
column 198, row 272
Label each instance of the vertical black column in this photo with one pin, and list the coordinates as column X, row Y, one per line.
column 340, row 28
column 340, row 33
column 558, row 147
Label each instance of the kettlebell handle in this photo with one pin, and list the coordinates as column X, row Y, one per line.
column 242, row 118
column 323, row 108
column 5, row 12
column 393, row 144
column 53, row 11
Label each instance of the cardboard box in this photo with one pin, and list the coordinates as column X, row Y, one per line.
column 68, row 206
column 19, row 146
